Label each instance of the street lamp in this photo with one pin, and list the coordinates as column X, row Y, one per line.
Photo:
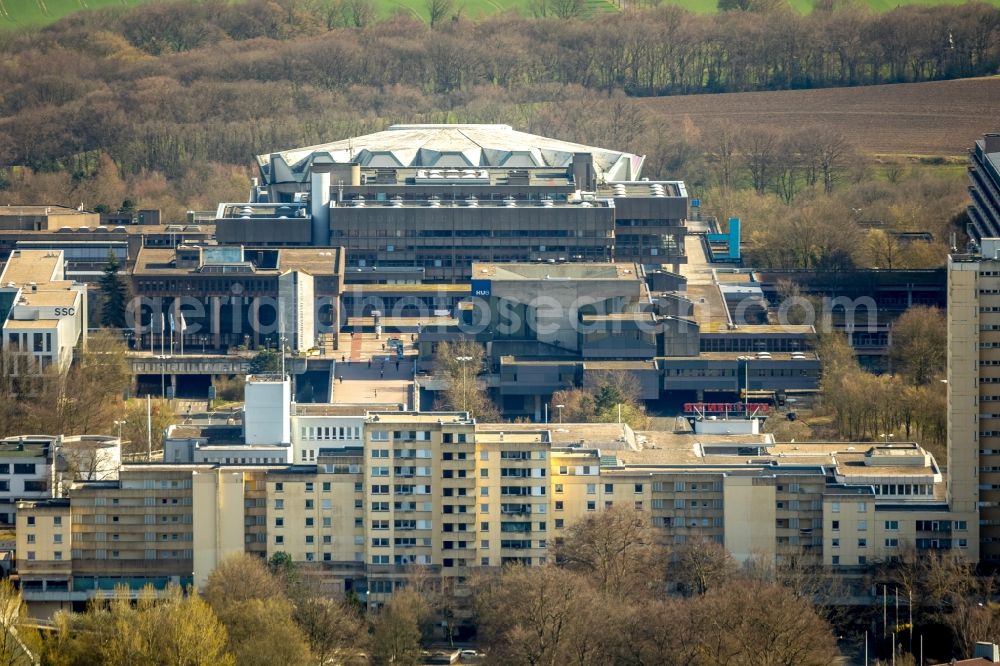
column 560, row 408
column 283, row 340
column 464, row 360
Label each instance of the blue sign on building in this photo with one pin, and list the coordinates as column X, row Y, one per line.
column 695, row 203
column 482, row 288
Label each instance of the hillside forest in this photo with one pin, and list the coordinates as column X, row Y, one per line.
column 165, row 104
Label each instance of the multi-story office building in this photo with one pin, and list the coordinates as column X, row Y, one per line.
column 984, row 189
column 233, row 295
column 549, row 327
column 436, row 494
column 436, row 198
column 44, row 315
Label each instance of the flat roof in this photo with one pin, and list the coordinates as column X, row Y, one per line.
column 642, row 189
column 29, row 324
column 27, row 266
column 49, row 297
column 421, row 417
column 734, row 356
column 592, row 435
column 619, row 365
column 359, row 409
column 317, row 261
column 41, row 210
column 548, row 271
column 27, row 450
column 361, row 289
column 715, row 327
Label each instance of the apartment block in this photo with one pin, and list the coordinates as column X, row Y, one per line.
column 435, row 494
column 156, row 524
column 974, row 390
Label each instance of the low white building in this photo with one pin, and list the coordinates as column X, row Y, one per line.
column 43, row 466
column 44, row 315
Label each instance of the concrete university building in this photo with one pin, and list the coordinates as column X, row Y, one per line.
column 984, row 189
column 429, row 200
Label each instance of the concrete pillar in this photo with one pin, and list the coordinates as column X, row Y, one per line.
column 216, row 305
column 538, row 408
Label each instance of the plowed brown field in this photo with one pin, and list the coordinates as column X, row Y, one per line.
column 940, row 118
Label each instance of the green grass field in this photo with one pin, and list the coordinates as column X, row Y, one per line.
column 15, row 14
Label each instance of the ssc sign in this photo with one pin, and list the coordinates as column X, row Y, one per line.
column 65, row 312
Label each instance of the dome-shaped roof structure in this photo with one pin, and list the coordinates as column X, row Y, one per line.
column 447, row 147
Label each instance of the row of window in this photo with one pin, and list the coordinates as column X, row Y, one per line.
column 330, row 433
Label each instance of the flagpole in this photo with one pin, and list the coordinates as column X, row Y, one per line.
column 149, row 429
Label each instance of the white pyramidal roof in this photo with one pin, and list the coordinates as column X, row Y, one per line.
column 447, row 146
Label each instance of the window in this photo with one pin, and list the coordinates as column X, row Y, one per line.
column 862, row 560
column 279, row 522
column 559, row 523
column 591, row 488
column 31, row 520
column 279, row 540
column 559, row 505
column 835, row 560
column 591, row 506
column 559, row 487
column 891, row 543
column 279, row 487
column 609, row 487
column 484, row 473
column 31, row 554
column 57, row 521
column 31, row 538
column 309, row 486
column 835, row 525
column 279, row 504
column 835, row 507
column 862, row 507
column 891, row 525
column 326, row 486
column 638, row 487
column 862, row 543
column 862, row 525
column 835, row 543
column 57, row 538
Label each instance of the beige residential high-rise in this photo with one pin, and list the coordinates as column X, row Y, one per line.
column 974, row 392
column 435, row 495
